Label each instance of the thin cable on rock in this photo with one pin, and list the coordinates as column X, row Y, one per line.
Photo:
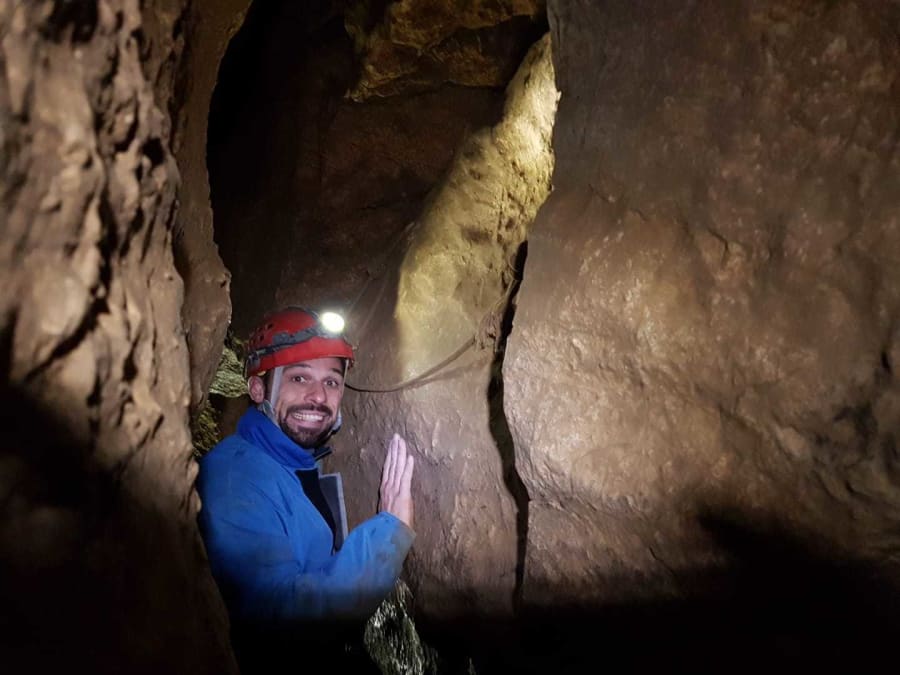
column 483, row 330
column 418, row 378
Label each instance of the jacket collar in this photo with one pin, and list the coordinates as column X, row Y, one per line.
column 262, row 432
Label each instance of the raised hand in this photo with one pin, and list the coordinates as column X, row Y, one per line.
column 396, row 479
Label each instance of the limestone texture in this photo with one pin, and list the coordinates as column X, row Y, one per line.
column 207, row 306
column 450, row 292
column 313, row 193
column 644, row 346
column 366, row 207
column 101, row 566
column 414, row 45
column 702, row 371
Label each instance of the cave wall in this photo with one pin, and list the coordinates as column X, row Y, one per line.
column 702, row 372
column 314, row 185
column 367, row 206
column 702, row 361
column 100, row 560
column 408, row 46
column 450, row 288
column 206, row 312
column 313, row 190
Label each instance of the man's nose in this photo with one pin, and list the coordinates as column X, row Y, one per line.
column 316, row 392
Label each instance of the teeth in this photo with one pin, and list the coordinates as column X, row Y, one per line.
column 310, row 417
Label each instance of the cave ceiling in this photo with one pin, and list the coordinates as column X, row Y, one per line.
column 350, row 113
column 414, row 45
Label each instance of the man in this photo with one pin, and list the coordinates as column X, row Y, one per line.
column 275, row 545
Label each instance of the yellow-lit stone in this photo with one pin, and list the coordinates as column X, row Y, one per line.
column 459, row 264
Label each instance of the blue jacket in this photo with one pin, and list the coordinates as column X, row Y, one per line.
column 269, row 548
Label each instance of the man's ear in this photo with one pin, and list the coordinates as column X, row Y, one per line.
column 257, row 388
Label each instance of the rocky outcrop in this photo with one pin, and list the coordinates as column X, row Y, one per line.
column 451, row 291
column 700, row 382
column 101, row 567
column 702, row 373
column 312, row 191
column 207, row 306
column 415, row 45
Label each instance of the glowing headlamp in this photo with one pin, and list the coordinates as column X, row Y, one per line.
column 332, row 322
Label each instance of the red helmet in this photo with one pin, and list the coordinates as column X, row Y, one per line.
column 289, row 336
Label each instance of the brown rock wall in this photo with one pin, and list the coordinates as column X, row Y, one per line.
column 456, row 269
column 707, row 330
column 414, row 45
column 207, row 307
column 311, row 191
column 100, row 561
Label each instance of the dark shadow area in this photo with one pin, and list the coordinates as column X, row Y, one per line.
column 260, row 118
column 89, row 575
column 228, row 411
column 781, row 605
column 316, row 647
column 92, row 579
column 500, row 428
column 308, row 188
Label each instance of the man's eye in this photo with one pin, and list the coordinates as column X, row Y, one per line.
column 298, row 378
column 332, row 383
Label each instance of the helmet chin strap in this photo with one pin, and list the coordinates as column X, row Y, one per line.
column 267, row 406
column 339, row 421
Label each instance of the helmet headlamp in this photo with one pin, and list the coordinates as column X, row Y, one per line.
column 332, row 322
column 295, row 334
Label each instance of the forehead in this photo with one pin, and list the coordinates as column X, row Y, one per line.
column 328, row 365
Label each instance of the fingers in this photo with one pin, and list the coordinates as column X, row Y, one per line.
column 396, row 481
column 402, row 461
column 398, row 461
column 406, row 480
column 393, row 463
column 405, row 494
column 388, row 469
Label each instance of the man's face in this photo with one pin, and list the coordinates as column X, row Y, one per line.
column 309, row 400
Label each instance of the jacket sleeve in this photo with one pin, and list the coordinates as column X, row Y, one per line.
column 262, row 579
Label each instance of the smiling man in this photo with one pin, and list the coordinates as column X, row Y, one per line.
column 308, row 401
column 275, row 542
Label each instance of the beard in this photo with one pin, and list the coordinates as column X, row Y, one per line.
column 308, row 438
